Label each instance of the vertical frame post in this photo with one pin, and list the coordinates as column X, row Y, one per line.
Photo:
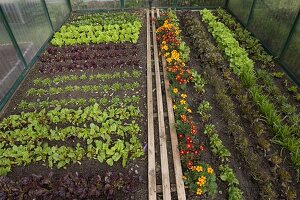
column 251, row 13
column 12, row 37
column 47, row 14
column 226, row 4
column 174, row 4
column 122, row 4
column 288, row 40
column 69, row 5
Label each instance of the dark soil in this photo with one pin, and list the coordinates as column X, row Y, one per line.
column 88, row 167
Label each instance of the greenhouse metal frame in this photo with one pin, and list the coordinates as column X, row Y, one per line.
column 18, row 18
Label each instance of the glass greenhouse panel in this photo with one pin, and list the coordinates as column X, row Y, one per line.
column 200, row 3
column 95, row 4
column 10, row 65
column 58, row 11
column 291, row 56
column 29, row 24
column 162, row 3
column 136, row 3
column 268, row 15
column 241, row 8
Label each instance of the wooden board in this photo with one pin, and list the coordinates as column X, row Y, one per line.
column 161, row 122
column 174, row 140
column 151, row 145
column 157, row 13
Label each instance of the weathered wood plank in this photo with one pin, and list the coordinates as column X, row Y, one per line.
column 161, row 122
column 151, row 141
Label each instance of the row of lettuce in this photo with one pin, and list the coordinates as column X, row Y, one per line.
column 99, row 28
column 243, row 67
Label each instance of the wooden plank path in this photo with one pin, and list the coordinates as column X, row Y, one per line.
column 161, row 122
column 151, row 146
column 166, row 187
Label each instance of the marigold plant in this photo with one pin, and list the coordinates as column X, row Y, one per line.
column 201, row 179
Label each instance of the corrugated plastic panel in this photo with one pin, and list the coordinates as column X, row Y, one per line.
column 29, row 25
column 10, row 65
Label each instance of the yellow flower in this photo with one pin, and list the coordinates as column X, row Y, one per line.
column 169, row 60
column 165, row 47
column 183, row 96
column 199, row 169
column 174, row 107
column 189, row 110
column 199, row 191
column 175, row 90
column 201, row 181
column 182, row 101
column 175, row 55
column 210, row 170
column 164, row 42
column 167, row 54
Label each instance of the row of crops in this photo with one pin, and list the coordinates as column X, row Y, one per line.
column 80, row 110
column 237, row 114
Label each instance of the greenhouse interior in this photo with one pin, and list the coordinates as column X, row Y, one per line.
column 157, row 99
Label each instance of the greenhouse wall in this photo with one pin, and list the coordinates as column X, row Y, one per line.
column 276, row 24
column 134, row 4
column 25, row 28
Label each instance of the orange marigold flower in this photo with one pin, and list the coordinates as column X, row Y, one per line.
column 183, row 118
column 175, row 90
column 165, row 47
column 201, row 181
column 183, row 96
column 169, row 60
column 182, row 101
column 199, row 169
column 199, row 191
column 210, row 170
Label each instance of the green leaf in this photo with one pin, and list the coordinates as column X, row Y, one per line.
column 101, row 156
column 110, row 161
column 61, row 164
column 116, row 156
column 110, row 152
column 113, row 127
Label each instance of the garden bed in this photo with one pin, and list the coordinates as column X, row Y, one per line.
column 80, row 84
column 240, row 126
